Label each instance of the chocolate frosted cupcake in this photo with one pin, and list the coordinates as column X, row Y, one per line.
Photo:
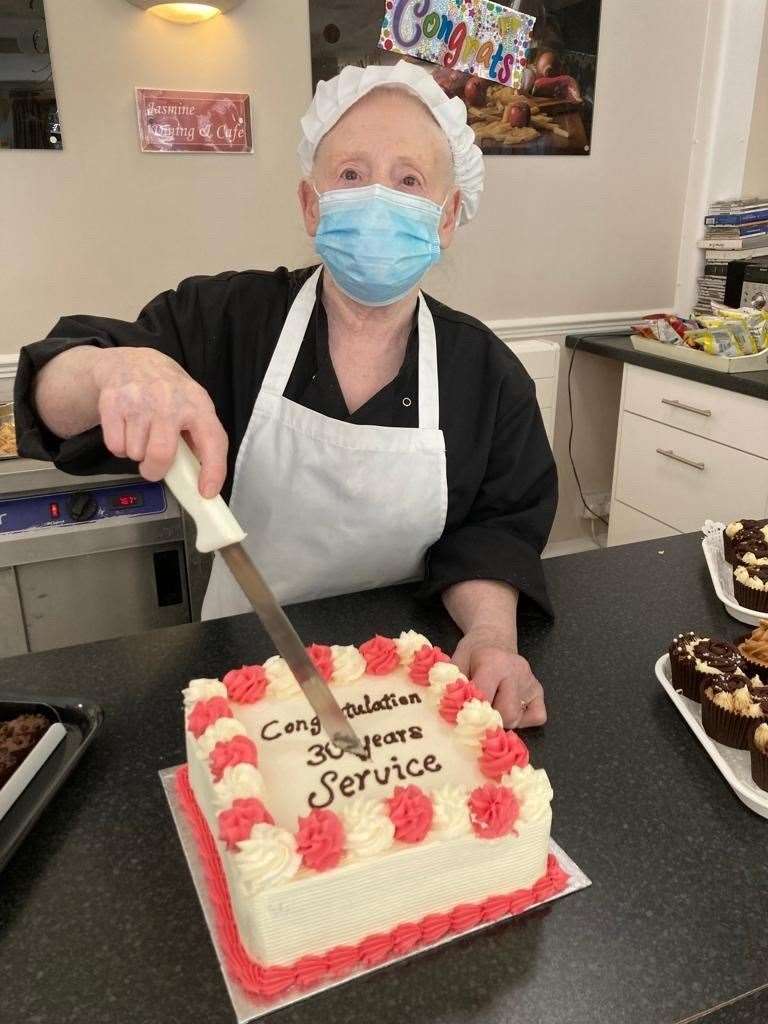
column 695, row 659
column 737, row 531
column 754, row 650
column 758, row 752
column 729, row 709
column 750, row 586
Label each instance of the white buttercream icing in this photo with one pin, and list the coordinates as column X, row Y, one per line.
column 267, row 857
column 441, row 675
column 474, row 719
column 203, row 689
column 750, row 558
column 220, row 731
column 753, row 582
column 408, row 644
column 281, row 682
column 532, row 788
column 348, row 665
column 367, row 828
column 239, row 782
column 451, row 812
column 733, row 528
column 761, row 738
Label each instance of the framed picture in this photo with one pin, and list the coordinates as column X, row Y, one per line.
column 549, row 111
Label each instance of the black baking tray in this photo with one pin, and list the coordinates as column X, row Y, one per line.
column 81, row 719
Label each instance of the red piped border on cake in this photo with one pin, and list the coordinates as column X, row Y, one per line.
column 269, row 982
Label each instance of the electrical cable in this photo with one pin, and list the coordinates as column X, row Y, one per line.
column 570, row 440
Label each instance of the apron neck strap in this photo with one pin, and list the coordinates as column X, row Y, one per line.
column 292, row 336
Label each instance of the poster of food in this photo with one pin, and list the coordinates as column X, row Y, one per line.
column 547, row 111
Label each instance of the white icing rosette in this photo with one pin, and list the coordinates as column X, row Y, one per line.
column 441, row 675
column 220, row 731
column 532, row 788
column 367, row 828
column 451, row 812
column 408, row 644
column 203, row 689
column 239, row 782
column 267, row 857
column 281, row 682
column 474, row 719
column 348, row 665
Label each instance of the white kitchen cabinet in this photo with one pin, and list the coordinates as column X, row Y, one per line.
column 685, row 452
column 542, row 361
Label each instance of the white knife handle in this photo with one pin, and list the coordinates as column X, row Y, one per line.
column 216, row 526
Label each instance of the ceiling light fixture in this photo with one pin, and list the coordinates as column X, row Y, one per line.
column 186, row 13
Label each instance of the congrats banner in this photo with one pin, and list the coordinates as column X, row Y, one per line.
column 477, row 36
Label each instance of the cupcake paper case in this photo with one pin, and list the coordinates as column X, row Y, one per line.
column 729, row 710
column 750, row 586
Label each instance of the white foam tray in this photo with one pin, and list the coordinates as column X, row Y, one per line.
column 683, row 354
column 722, row 575
column 249, row 1008
column 733, row 764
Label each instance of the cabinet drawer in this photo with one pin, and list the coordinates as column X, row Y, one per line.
column 545, row 390
column 740, row 421
column 716, row 482
column 627, row 526
column 538, row 357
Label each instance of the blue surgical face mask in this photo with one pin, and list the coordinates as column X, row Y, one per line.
column 377, row 242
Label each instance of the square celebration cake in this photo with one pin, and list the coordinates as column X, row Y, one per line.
column 317, row 861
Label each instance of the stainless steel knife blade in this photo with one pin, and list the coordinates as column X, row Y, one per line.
column 288, row 644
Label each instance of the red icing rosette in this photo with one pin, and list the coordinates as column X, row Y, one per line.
column 205, row 713
column 246, row 685
column 493, row 810
column 455, row 696
column 501, row 751
column 381, row 656
column 423, row 661
column 238, row 750
column 236, row 822
column 411, row 812
column 322, row 659
column 320, row 840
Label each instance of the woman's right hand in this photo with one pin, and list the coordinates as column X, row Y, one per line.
column 146, row 401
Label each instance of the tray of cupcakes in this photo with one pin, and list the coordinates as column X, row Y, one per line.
column 721, row 690
column 736, row 554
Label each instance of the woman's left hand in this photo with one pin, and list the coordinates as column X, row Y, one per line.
column 505, row 677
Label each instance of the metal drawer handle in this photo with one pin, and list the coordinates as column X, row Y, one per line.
column 680, row 458
column 688, row 408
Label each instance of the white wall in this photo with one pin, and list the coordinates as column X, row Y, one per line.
column 101, row 227
column 756, row 168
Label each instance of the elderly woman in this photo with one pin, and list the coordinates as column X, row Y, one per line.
column 363, row 433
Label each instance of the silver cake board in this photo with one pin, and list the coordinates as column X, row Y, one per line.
column 249, row 1008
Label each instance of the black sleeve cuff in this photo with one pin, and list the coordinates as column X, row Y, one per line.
column 486, row 552
column 84, row 454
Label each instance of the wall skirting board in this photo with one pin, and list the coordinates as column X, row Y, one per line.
column 8, row 366
column 554, row 328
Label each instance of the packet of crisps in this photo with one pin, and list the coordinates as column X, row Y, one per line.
column 664, row 327
column 718, row 341
column 740, row 330
column 755, row 320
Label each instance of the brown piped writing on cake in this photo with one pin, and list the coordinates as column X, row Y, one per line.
column 348, row 785
column 274, row 729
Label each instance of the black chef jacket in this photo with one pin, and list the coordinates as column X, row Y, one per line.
column 502, row 484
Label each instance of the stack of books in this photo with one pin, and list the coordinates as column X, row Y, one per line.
column 735, row 230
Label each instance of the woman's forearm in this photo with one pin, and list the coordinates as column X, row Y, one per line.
column 486, row 609
column 66, row 395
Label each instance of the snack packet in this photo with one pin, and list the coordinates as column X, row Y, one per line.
column 716, row 341
column 664, row 327
column 755, row 320
column 738, row 328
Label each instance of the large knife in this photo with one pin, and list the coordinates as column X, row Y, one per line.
column 218, row 530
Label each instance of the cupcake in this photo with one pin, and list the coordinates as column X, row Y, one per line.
column 729, row 709
column 695, row 659
column 754, row 650
column 758, row 752
column 735, row 531
column 750, row 586
column 752, row 549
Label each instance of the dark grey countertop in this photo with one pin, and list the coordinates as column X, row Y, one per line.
column 99, row 920
column 618, row 346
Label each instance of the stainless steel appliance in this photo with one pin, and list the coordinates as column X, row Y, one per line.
column 84, row 559
column 754, row 291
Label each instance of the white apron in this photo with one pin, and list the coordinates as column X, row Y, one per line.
column 332, row 507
